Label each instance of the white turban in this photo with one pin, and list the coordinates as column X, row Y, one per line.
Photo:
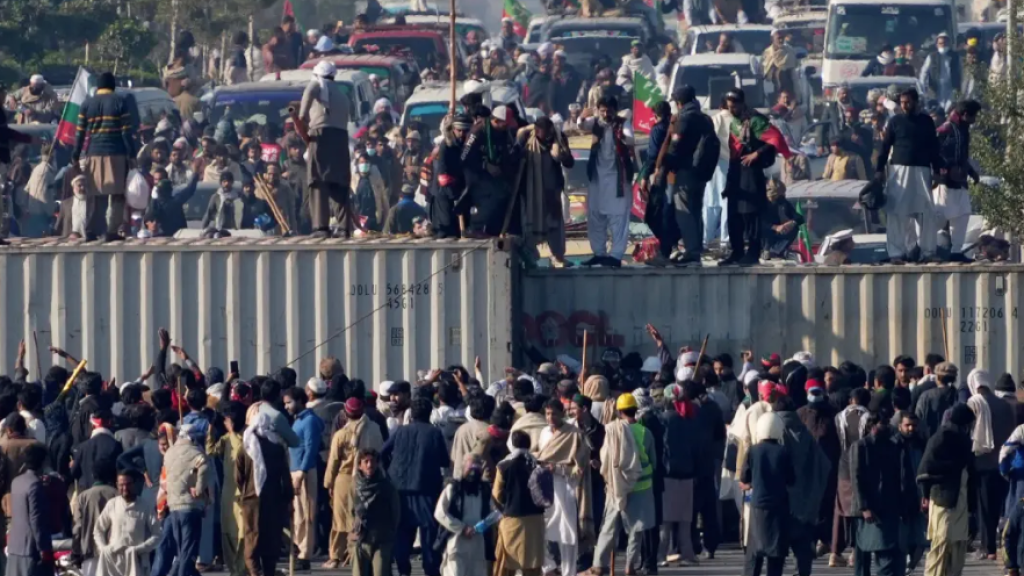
column 36, row 79
column 770, row 427
column 323, row 72
column 546, row 49
column 381, row 105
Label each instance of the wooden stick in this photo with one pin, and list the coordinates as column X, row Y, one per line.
column 264, row 188
column 583, row 368
column 71, row 379
column 39, row 361
column 703, row 347
column 945, row 338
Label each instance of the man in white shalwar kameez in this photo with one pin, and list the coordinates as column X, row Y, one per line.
column 464, row 554
column 610, row 170
column 911, row 139
column 563, row 447
column 126, row 532
column 715, row 220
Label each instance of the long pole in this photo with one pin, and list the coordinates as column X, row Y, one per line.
column 945, row 337
column 1012, row 40
column 452, row 53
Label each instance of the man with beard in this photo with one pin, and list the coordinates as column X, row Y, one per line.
column 565, row 84
column 610, row 170
column 284, row 196
column 834, row 119
column 564, row 448
column 491, row 160
column 995, row 420
column 411, row 158
column 169, row 202
column 753, row 144
column 448, row 203
column 683, row 441
column 819, row 418
column 878, row 481
column 915, row 523
column 508, row 37
column 593, row 433
column 932, row 405
column 914, row 147
column 399, row 399
column 812, row 469
column 538, row 90
column 729, row 385
column 325, row 111
column 546, row 154
column 461, row 511
column 690, row 161
column 947, row 479
column 35, row 103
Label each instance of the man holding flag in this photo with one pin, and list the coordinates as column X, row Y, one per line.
column 105, row 136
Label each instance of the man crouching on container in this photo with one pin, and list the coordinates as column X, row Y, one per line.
column 325, row 109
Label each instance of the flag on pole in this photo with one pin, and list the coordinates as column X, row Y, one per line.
column 67, row 128
column 520, row 16
column 645, row 95
column 803, row 238
column 289, row 10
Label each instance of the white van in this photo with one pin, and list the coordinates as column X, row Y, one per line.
column 857, row 29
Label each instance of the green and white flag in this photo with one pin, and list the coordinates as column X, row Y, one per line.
column 68, row 127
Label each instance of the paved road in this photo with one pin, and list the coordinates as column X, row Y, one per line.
column 727, row 562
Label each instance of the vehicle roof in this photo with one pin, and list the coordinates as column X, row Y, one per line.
column 962, row 27
column 305, row 75
column 262, row 86
column 712, row 59
column 399, row 33
column 442, row 92
column 431, row 18
column 948, row 3
column 596, row 22
column 719, row 28
column 807, row 189
column 349, row 59
column 801, row 17
column 880, row 80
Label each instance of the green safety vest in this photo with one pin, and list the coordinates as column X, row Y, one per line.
column 644, row 483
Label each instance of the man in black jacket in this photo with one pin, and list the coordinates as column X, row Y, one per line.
column 90, row 386
column 951, row 196
column 911, row 138
column 100, row 450
column 448, row 203
column 709, row 465
column 658, row 215
column 683, row 441
column 691, row 126
column 932, row 405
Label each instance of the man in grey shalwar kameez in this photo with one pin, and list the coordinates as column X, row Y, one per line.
column 325, row 110
column 912, row 140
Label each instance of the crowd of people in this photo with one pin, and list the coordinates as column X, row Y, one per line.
column 185, row 470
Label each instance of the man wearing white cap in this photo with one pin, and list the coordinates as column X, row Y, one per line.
column 508, row 37
column 491, row 161
column 325, row 111
column 36, row 102
column 940, row 74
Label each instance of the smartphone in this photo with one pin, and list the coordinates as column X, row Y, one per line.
column 234, row 367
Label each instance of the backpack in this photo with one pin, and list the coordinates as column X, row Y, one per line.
column 542, row 486
column 705, row 156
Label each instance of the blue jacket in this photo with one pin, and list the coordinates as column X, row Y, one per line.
column 417, row 453
column 309, row 428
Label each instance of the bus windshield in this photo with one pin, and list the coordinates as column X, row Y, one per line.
column 857, row 31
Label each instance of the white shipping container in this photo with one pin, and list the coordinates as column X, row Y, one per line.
column 867, row 315
column 385, row 308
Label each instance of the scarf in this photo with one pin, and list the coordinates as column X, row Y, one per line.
column 945, row 457
column 983, row 440
column 841, row 422
column 263, row 427
column 323, row 75
column 620, row 462
column 644, row 402
column 569, row 452
column 367, row 491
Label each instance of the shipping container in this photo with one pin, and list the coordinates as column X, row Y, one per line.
column 867, row 315
column 385, row 308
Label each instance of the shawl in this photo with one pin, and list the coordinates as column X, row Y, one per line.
column 38, row 189
column 945, row 457
column 533, row 424
column 534, row 202
column 367, row 489
column 756, row 126
column 262, row 428
column 471, row 438
column 365, row 436
column 773, row 58
column 841, row 422
column 597, row 389
column 569, row 452
column 620, row 462
column 984, row 442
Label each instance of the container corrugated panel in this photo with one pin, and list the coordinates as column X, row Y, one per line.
column 867, row 315
column 385, row 308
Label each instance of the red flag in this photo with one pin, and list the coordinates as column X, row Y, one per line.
column 288, row 10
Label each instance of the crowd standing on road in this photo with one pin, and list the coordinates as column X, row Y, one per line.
column 185, row 470
column 494, row 168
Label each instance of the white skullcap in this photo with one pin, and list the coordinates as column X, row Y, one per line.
column 688, row 358
column 216, row 391
column 750, row 377
column 546, row 49
column 439, row 140
column 652, row 364
column 381, row 105
column 36, row 79
column 804, row 357
column 313, row 32
column 324, row 69
column 374, row 77
column 384, row 389
column 316, row 385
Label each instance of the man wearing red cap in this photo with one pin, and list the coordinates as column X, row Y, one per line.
column 359, row 433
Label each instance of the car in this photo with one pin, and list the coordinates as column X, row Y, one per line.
column 463, row 25
column 430, row 102
column 859, row 86
column 355, row 83
column 830, row 207
column 397, row 76
column 151, row 104
column 585, row 39
column 712, row 75
column 746, row 38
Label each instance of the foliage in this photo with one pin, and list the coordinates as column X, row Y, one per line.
column 998, row 146
column 125, row 42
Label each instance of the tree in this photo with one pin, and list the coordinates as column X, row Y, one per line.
column 998, row 145
column 126, row 42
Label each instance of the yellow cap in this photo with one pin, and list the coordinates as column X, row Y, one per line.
column 972, row 41
column 625, row 402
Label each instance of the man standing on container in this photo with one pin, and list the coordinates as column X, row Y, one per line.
column 911, row 139
column 324, row 110
column 951, row 196
column 106, row 138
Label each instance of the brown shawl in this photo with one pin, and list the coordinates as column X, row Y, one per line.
column 569, row 452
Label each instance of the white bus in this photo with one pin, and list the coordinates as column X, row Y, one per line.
column 857, row 29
